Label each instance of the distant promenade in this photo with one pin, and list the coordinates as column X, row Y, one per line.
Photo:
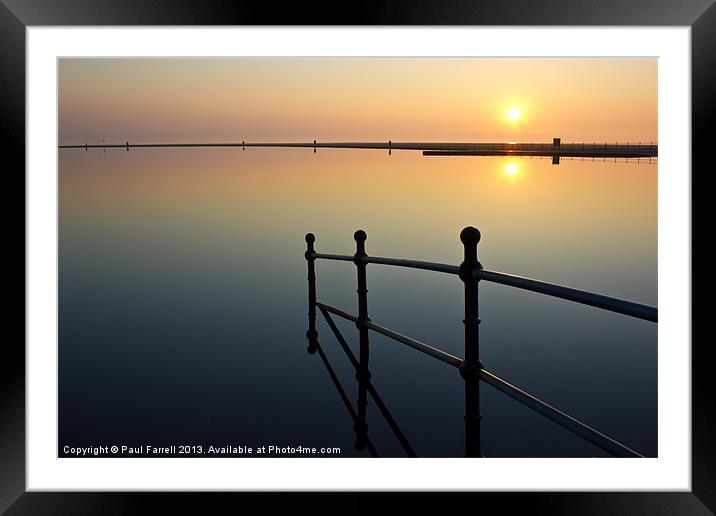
column 555, row 149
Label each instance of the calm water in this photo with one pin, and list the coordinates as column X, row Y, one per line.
column 183, row 297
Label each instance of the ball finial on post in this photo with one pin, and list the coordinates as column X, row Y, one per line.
column 360, row 237
column 310, row 249
column 470, row 235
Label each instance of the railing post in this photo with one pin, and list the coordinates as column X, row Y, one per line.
column 363, row 374
column 470, row 368
column 311, row 334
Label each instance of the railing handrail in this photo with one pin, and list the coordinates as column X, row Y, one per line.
column 612, row 304
column 397, row 262
column 408, row 341
column 337, row 257
column 583, row 430
column 413, row 264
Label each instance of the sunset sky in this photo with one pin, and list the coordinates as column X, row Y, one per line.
column 368, row 99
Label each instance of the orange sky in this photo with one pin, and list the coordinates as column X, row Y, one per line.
column 417, row 99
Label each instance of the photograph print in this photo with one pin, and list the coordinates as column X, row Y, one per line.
column 357, row 257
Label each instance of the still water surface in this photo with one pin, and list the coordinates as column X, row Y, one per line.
column 183, row 297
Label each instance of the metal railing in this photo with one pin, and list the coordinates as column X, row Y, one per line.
column 471, row 369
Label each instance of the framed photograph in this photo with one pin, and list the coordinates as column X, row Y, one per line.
column 423, row 249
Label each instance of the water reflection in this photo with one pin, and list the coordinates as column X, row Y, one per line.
column 174, row 263
column 360, row 365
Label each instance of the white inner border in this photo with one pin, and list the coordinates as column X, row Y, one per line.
column 671, row 471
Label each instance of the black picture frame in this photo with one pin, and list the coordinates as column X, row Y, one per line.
column 16, row 15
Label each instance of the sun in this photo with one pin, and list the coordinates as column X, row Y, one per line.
column 514, row 113
column 511, row 169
